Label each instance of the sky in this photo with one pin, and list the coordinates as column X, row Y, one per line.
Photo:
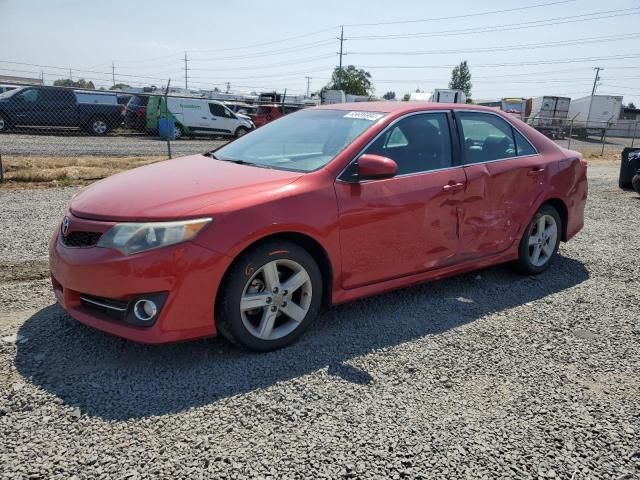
column 514, row 49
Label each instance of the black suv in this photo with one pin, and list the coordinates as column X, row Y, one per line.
column 56, row 107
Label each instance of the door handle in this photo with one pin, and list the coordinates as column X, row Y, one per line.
column 535, row 172
column 452, row 187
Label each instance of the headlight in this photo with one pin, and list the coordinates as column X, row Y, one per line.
column 131, row 238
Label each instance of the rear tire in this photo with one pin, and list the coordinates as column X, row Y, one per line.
column 269, row 297
column 4, row 123
column 98, row 126
column 177, row 132
column 540, row 242
column 635, row 182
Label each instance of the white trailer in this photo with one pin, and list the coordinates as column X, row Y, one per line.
column 447, row 95
column 592, row 115
column 549, row 114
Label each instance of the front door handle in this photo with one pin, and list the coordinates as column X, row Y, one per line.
column 534, row 172
column 452, row 187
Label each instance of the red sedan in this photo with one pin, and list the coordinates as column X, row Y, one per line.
column 320, row 207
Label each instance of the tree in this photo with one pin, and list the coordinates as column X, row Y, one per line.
column 631, row 105
column 67, row 82
column 120, row 86
column 389, row 96
column 406, row 97
column 351, row 80
column 461, row 78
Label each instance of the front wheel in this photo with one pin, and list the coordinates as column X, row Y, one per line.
column 635, row 183
column 540, row 242
column 241, row 132
column 269, row 297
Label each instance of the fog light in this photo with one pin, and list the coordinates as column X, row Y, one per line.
column 145, row 310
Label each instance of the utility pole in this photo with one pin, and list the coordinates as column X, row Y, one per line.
column 595, row 80
column 308, row 83
column 228, row 87
column 42, row 76
column 340, row 66
column 70, row 74
column 186, row 70
column 113, row 73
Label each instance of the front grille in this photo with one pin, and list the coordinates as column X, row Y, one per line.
column 81, row 239
column 114, row 308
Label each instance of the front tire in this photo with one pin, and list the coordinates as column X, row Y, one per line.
column 635, row 183
column 241, row 132
column 540, row 241
column 269, row 297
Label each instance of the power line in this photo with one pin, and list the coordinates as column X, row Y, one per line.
column 512, row 26
column 498, row 48
column 457, row 17
column 267, row 53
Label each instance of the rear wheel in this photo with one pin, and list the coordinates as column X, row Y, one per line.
column 177, row 132
column 98, row 126
column 269, row 297
column 635, row 182
column 4, row 124
column 540, row 241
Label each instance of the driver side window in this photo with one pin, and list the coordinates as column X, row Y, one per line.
column 30, row 95
column 417, row 143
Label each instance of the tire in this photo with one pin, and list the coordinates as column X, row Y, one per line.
column 254, row 306
column 4, row 123
column 178, row 133
column 98, row 126
column 241, row 132
column 535, row 254
column 635, row 182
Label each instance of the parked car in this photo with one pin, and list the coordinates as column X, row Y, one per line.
column 135, row 116
column 198, row 116
column 320, row 207
column 268, row 113
column 51, row 107
column 242, row 108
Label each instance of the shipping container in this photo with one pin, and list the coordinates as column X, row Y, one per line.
column 444, row 95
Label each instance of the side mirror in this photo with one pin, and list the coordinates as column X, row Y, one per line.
column 376, row 167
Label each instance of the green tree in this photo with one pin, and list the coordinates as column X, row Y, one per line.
column 351, row 80
column 120, row 86
column 406, row 97
column 461, row 78
column 631, row 105
column 389, row 96
column 81, row 83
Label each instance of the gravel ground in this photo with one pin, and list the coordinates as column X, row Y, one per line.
column 71, row 144
column 486, row 375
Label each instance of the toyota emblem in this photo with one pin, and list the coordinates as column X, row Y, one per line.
column 65, row 226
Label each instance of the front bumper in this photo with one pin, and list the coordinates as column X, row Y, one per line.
column 187, row 273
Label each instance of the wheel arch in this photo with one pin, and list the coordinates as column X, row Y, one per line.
column 563, row 211
column 310, row 244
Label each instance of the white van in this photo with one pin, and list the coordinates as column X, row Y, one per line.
column 195, row 116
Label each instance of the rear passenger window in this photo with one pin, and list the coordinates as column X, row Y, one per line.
column 523, row 147
column 486, row 137
column 417, row 143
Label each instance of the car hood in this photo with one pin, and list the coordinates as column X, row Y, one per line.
column 173, row 189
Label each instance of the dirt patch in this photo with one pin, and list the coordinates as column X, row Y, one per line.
column 23, row 271
column 29, row 172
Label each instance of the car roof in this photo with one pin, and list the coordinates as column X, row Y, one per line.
column 399, row 107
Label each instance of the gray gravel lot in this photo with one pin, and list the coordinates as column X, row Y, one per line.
column 74, row 144
column 486, row 375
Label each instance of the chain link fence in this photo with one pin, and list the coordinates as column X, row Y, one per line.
column 68, row 134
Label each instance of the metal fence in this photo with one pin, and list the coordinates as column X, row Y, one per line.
column 56, row 124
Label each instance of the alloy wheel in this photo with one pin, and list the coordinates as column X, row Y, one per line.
column 543, row 239
column 276, row 299
column 99, row 127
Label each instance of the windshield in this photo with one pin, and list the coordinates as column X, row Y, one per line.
column 10, row 93
column 303, row 141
